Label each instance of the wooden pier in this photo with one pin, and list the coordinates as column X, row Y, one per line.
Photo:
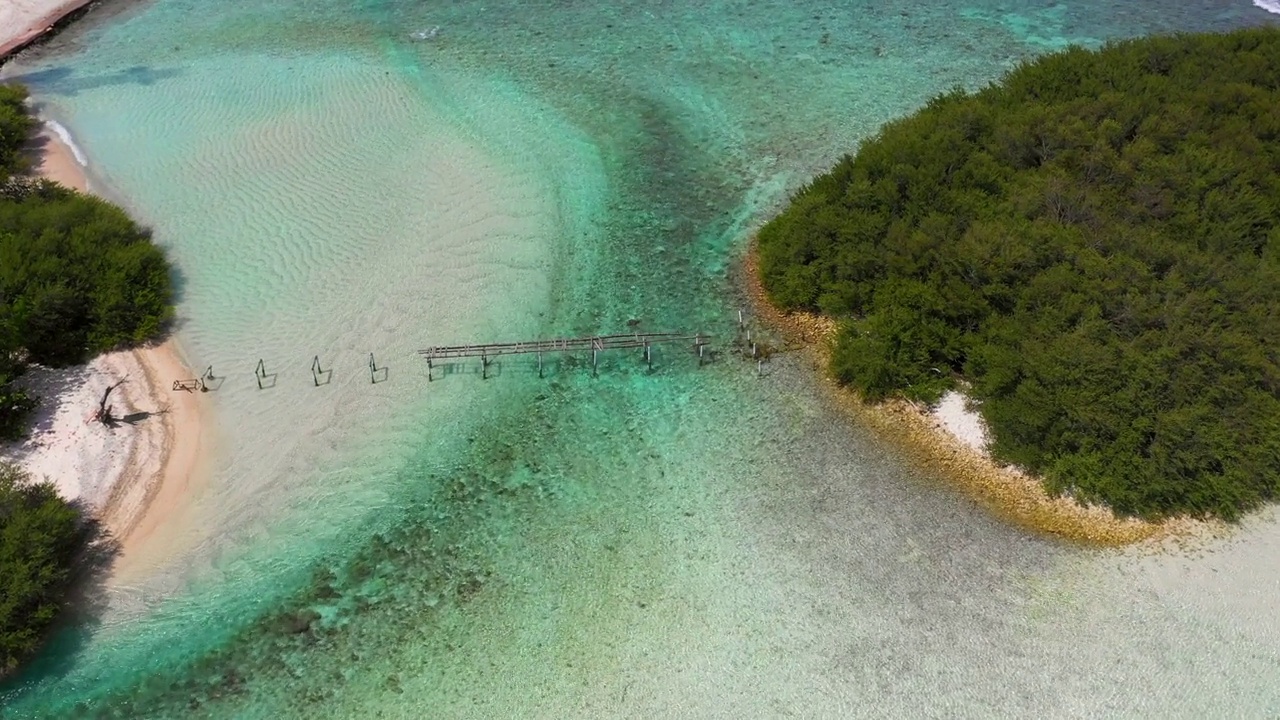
column 596, row 344
column 744, row 341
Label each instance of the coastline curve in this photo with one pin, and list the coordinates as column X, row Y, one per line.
column 1006, row 491
column 144, row 479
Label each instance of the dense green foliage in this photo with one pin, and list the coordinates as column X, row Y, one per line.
column 40, row 536
column 1094, row 245
column 77, row 276
column 16, row 126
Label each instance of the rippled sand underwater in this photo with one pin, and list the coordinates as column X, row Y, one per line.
column 335, row 180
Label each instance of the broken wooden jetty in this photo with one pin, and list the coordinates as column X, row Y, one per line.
column 201, row 383
column 596, row 344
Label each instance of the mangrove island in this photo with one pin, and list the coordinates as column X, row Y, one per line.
column 1090, row 249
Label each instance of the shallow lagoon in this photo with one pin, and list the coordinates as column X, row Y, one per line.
column 691, row 542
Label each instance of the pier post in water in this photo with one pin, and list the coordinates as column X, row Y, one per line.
column 597, row 347
column 316, row 370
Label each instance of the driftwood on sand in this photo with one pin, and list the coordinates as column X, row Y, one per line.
column 103, row 413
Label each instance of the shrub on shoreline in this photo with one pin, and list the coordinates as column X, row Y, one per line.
column 16, row 127
column 40, row 537
column 1094, row 244
column 77, row 276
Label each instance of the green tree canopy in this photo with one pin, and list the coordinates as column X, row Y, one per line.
column 40, row 536
column 16, row 127
column 1094, row 245
column 77, row 275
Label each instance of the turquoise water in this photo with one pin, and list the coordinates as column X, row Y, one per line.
column 695, row 541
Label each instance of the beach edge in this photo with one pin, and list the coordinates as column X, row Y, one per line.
column 1009, row 493
column 167, row 460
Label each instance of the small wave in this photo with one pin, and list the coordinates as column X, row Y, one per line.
column 65, row 136
column 1271, row 6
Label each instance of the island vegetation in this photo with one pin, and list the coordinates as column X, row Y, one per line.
column 77, row 277
column 1090, row 249
column 42, row 538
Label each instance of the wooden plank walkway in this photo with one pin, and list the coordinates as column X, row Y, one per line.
column 596, row 344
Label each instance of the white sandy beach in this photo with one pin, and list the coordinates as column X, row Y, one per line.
column 21, row 21
column 137, row 474
column 57, row 161
column 953, row 415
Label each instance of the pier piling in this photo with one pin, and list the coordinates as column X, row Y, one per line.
column 205, row 378
column 260, row 373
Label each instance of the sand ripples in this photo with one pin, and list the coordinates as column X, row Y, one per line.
column 319, row 207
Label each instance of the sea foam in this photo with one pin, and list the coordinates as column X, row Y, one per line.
column 65, row 136
column 1271, row 6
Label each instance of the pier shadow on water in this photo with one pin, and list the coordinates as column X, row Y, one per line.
column 65, row 81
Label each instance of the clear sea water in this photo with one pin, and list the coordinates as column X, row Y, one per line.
column 334, row 179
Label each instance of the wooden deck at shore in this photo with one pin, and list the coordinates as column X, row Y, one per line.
column 596, row 344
